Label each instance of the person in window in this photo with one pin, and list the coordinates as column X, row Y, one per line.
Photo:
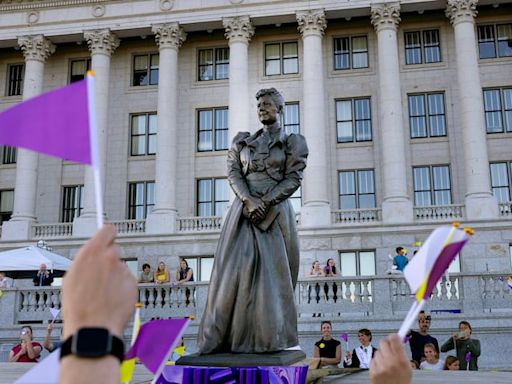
column 43, row 277
column 146, row 276
column 4, row 281
column 258, row 254
column 162, row 274
column 184, row 274
column 465, row 346
column 26, row 351
column 327, row 348
column 361, row 356
column 400, row 260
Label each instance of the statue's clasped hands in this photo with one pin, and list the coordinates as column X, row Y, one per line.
column 256, row 208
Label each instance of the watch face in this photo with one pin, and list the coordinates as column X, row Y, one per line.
column 92, row 342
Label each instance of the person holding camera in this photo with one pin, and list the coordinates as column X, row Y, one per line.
column 26, row 351
column 466, row 347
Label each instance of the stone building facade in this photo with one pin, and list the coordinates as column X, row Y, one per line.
column 406, row 107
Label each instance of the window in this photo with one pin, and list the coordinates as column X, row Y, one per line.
column 351, row 52
column 201, row 267
column 143, row 134
column 432, row 185
column 213, row 129
column 353, row 120
column 422, row 47
column 495, row 41
column 281, row 59
column 7, row 155
column 78, row 69
column 291, row 118
column 15, row 75
column 72, row 202
column 213, row 64
column 500, row 181
column 141, row 199
column 212, row 196
column 357, row 189
column 145, row 69
column 498, row 110
column 296, row 200
column 357, row 263
column 6, row 204
column 427, row 115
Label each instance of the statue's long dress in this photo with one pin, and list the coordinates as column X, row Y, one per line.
column 250, row 306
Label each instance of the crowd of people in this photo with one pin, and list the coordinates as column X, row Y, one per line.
column 162, row 275
column 424, row 348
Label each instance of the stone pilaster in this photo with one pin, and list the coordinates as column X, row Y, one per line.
column 102, row 44
column 238, row 31
column 316, row 211
column 396, row 204
column 36, row 50
column 479, row 200
column 169, row 38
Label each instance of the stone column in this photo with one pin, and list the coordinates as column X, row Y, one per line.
column 396, row 204
column 169, row 38
column 479, row 200
column 316, row 210
column 102, row 44
column 36, row 50
column 239, row 31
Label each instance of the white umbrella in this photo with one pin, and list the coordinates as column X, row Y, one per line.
column 30, row 258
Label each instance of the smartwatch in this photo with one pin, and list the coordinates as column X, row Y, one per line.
column 91, row 343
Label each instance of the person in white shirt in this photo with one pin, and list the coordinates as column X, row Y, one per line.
column 362, row 355
column 431, row 362
column 4, row 281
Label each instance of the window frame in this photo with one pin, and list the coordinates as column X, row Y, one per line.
column 69, row 213
column 281, row 58
column 357, row 187
column 150, row 72
column 216, row 62
column 70, row 73
column 289, row 127
column 502, row 110
column 8, row 155
column 131, row 212
column 432, row 189
column 422, row 46
column 357, row 261
column 508, row 166
column 427, row 116
column 214, row 129
column 353, row 119
column 213, row 201
column 197, row 267
column 14, row 87
column 350, row 53
column 495, row 41
column 6, row 215
column 147, row 134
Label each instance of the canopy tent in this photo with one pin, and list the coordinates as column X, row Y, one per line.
column 28, row 259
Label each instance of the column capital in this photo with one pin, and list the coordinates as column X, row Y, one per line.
column 169, row 35
column 36, row 47
column 311, row 22
column 101, row 41
column 385, row 16
column 238, row 29
column 461, row 10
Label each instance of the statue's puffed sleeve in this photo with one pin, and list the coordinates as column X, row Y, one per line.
column 296, row 157
column 235, row 175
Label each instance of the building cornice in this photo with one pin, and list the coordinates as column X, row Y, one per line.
column 23, row 5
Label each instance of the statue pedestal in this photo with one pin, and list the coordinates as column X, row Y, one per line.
column 280, row 358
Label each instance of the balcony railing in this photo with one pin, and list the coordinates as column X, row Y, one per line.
column 370, row 297
column 50, row 231
column 129, row 227
column 356, row 216
column 199, row 223
column 439, row 212
column 506, row 209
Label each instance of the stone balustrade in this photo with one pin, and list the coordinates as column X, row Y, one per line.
column 505, row 209
column 340, row 297
column 439, row 213
column 52, row 231
column 357, row 216
column 199, row 223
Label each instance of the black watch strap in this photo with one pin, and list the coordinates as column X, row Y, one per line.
column 92, row 343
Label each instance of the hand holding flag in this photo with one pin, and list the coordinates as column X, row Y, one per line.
column 55, row 312
column 344, row 337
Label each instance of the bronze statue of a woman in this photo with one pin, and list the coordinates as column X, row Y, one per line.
column 250, row 306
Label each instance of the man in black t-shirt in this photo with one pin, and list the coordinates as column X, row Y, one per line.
column 327, row 349
column 417, row 340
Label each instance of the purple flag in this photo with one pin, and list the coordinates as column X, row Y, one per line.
column 344, row 337
column 468, row 357
column 55, row 123
column 155, row 340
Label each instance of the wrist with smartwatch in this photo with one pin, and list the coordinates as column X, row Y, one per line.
column 93, row 342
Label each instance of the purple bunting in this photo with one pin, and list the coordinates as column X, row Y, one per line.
column 155, row 340
column 55, row 123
